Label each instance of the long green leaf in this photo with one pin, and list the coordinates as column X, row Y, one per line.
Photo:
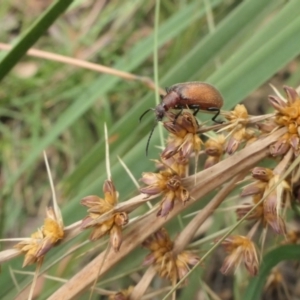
column 31, row 35
column 211, row 45
column 270, row 260
column 255, row 69
column 262, row 36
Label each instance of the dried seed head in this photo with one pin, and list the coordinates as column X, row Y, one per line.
column 270, row 186
column 116, row 237
column 97, row 207
column 277, row 103
column 183, row 138
column 167, row 264
column 262, row 174
column 240, row 249
column 288, row 115
column 122, row 295
column 258, row 187
column 42, row 240
column 292, row 95
column 281, row 147
column 237, row 125
column 177, row 164
column 237, row 137
column 275, row 222
column 99, row 230
column 239, row 113
column 276, row 285
column 110, row 193
column 292, row 237
column 211, row 161
column 267, row 126
column 168, row 183
column 215, row 146
column 257, row 214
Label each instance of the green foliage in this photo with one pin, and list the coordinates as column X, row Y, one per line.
column 270, row 260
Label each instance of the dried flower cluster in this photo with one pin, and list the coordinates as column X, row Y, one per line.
column 182, row 142
column 239, row 131
column 214, row 148
column 288, row 115
column 168, row 264
column 97, row 207
column 166, row 182
column 240, row 249
column 183, row 139
column 122, row 295
column 42, row 240
column 271, row 189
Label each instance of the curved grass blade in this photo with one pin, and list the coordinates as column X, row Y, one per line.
column 270, row 260
column 9, row 59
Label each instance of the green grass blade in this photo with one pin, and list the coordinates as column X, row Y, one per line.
column 257, row 68
column 211, row 45
column 261, row 38
column 270, row 260
column 31, row 35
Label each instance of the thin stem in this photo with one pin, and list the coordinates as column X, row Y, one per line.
column 155, row 64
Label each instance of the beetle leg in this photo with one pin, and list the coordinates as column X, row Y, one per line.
column 177, row 115
column 216, row 115
column 196, row 110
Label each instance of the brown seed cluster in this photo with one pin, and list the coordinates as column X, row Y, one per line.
column 183, row 141
column 288, row 115
column 183, row 138
column 271, row 189
column 122, row 295
column 168, row 264
column 41, row 241
column 97, row 207
column 240, row 249
column 214, row 148
column 168, row 183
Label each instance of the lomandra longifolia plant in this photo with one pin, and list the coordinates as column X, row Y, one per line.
column 231, row 155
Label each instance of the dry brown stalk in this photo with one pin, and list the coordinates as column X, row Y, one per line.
column 188, row 232
column 87, row 65
column 206, row 181
column 143, row 284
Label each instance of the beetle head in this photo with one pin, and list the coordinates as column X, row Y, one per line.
column 160, row 112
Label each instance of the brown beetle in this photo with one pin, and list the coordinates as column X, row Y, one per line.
column 194, row 95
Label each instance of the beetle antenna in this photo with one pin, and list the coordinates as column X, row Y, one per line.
column 148, row 142
column 140, row 119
